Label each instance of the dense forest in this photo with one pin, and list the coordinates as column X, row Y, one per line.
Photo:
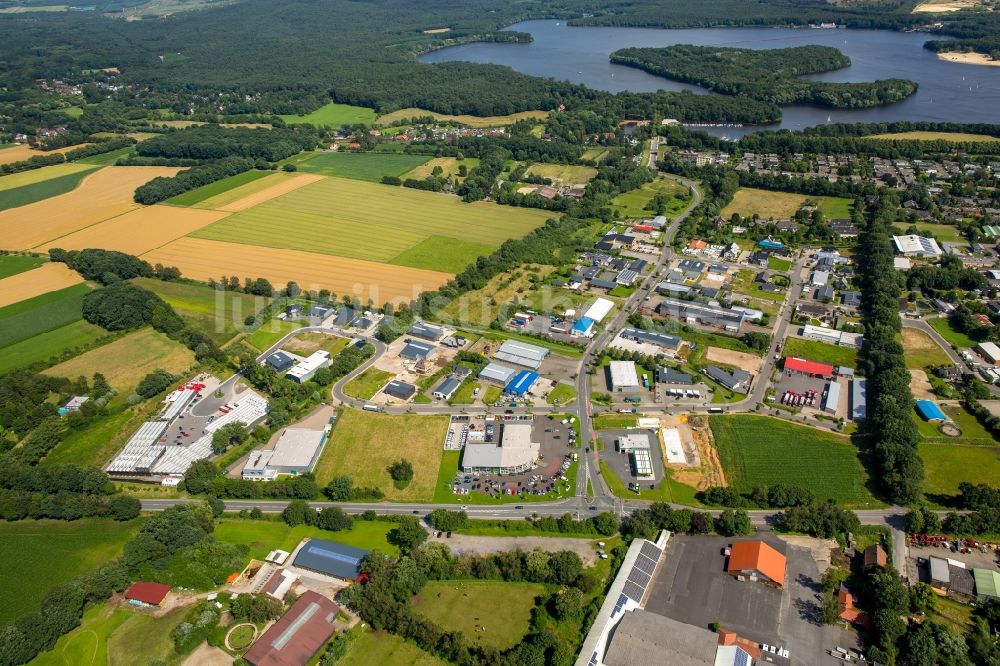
column 770, row 75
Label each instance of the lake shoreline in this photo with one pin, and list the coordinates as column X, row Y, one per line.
column 968, row 58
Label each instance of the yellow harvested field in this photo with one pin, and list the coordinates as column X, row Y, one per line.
column 937, row 7
column 471, row 121
column 24, row 151
column 127, row 360
column 38, row 175
column 764, row 203
column 969, row 58
column 100, row 196
column 202, row 259
column 258, row 191
column 142, row 230
column 936, row 136
column 37, row 281
column 566, row 174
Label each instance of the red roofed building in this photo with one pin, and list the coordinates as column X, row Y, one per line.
column 298, row 635
column 758, row 561
column 146, row 594
column 806, row 367
column 848, row 613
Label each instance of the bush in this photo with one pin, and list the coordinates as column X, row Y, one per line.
column 154, row 383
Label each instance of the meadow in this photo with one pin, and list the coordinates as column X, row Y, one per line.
column 758, row 450
column 368, row 383
column 634, row 202
column 87, row 645
column 364, row 444
column 47, row 345
column 263, row 536
column 946, row 233
column 921, row 350
column 334, row 115
column 308, row 343
column 125, row 361
column 100, row 439
column 199, row 194
column 823, row 352
column 953, row 337
column 359, row 166
column 449, row 167
column 51, row 552
column 27, row 318
column 37, row 281
column 218, row 314
column 12, row 264
column 564, row 173
column 782, row 205
column 378, row 648
column 957, row 137
column 474, row 609
column 472, row 121
column 948, row 463
column 270, row 332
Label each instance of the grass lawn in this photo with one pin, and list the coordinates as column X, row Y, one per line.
column 125, row 361
column 823, row 352
column 87, row 645
column 611, row 421
column 493, row 393
column 934, row 136
column 26, row 194
column 489, row 613
column 947, row 233
column 745, row 284
column 669, row 490
column 564, row 173
column 47, row 345
column 270, row 332
column 368, row 383
column 633, row 203
column 972, row 429
column 921, row 350
column 363, row 444
column 263, row 536
column 562, row 394
column 335, row 115
column 27, row 318
column 943, row 326
column 779, row 264
column 12, row 264
column 466, row 393
column 946, row 464
column 762, row 450
column 782, row 205
column 378, row 648
column 952, row 614
column 218, row 314
column 144, row 639
column 199, row 194
column 40, row 554
column 359, row 166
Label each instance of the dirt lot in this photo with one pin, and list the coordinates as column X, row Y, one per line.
column 920, row 386
column 743, row 361
column 709, row 472
column 463, row 543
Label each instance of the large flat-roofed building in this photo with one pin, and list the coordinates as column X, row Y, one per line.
column 623, row 376
column 305, row 369
column 426, row 331
column 298, row 635
column 831, row 399
column 647, row 639
column 806, row 367
column 295, row 452
column 668, row 342
column 521, row 383
column 498, row 374
column 700, row 313
column 514, row 453
column 859, row 399
column 832, row 336
column 331, row 559
column 521, row 353
column 990, row 352
column 400, row 390
column 599, row 310
column 757, row 561
column 415, row 350
column 916, row 246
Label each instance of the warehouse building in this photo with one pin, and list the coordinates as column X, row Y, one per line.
column 306, row 368
column 859, row 399
column 332, row 559
column 299, row 634
column 831, row 398
column 758, row 562
column 521, row 383
column 736, row 380
column 916, row 246
column 584, row 327
column 447, row 388
column 832, row 336
column 521, row 353
column 599, row 310
column 930, row 412
column 666, row 375
column 987, row 585
column 990, row 352
column 426, row 331
column 636, row 446
column 700, row 313
column 295, row 452
column 668, row 342
column 280, row 361
column 515, row 452
column 400, row 390
column 415, row 350
column 497, row 374
column 809, row 368
column 623, row 376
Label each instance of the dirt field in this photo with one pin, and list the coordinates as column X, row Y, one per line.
column 741, row 360
column 251, row 194
column 206, row 655
column 464, row 543
column 920, row 386
column 141, row 230
column 203, row 259
column 102, row 195
column 943, row 7
column 38, row 281
column 566, row 174
column 969, row 58
column 710, row 472
column 23, row 152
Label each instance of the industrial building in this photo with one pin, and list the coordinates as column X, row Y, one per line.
column 497, row 374
column 599, row 310
column 700, row 313
column 521, row 353
column 415, row 350
column 447, row 388
column 831, row 398
column 298, row 635
column 990, row 352
column 668, row 342
column 513, row 453
column 758, row 562
column 306, row 368
column 280, row 361
column 584, row 327
column 295, row 452
column 832, row 336
column 426, row 331
column 930, row 412
column 400, row 390
column 331, row 559
column 809, row 368
column 735, row 380
column 666, row 375
column 147, row 595
column 859, row 399
column 521, row 383
column 637, row 447
column 916, row 246
column 623, row 376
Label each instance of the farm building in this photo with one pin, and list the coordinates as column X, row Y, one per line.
column 415, row 350
column 305, row 369
column 987, row 585
column 521, row 353
column 298, row 635
column 426, row 331
column 599, row 310
column 280, row 361
column 669, row 342
column 279, row 584
column 757, row 561
column 521, row 383
column 940, row 576
column 332, row 559
column 400, row 390
column 875, row 556
column 735, row 380
column 809, row 368
column 699, row 313
column 584, row 327
column 148, row 595
column 831, row 398
column 916, row 246
column 666, row 375
column 930, row 412
column 514, row 453
column 623, row 376
column 497, row 374
column 295, row 452
column 990, row 352
column 447, row 388
column 859, row 399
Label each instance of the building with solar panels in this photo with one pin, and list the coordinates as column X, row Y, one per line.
column 331, row 559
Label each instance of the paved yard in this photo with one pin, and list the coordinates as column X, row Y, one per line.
column 464, row 543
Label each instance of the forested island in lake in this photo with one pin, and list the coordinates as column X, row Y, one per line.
column 771, row 75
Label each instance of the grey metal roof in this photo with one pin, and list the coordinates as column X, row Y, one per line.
column 671, row 376
column 331, row 558
column 398, row 389
column 447, row 387
column 414, row 349
column 426, row 331
column 661, row 339
column 647, row 638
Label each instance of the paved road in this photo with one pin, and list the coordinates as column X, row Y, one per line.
column 921, row 325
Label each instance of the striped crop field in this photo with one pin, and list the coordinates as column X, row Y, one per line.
column 35, row 176
column 257, row 192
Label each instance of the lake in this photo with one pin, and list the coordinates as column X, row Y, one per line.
column 947, row 91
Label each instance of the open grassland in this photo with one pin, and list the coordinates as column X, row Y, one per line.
column 564, row 173
column 30, row 317
column 100, row 439
column 109, row 158
column 41, row 280
column 442, row 253
column 270, row 332
column 23, row 152
column 921, row 350
column 480, row 307
column 257, row 191
column 781, row 205
column 127, row 360
column 368, row 383
column 953, row 337
column 87, row 645
column 364, row 444
column 29, row 194
column 203, row 259
column 957, row 137
column 199, row 194
column 471, row 121
column 263, row 536
column 36, row 176
column 145, row 639
column 12, row 264
column 309, row 343
column 378, row 648
column 821, row 351
column 216, row 313
column 634, row 202
column 358, row 166
column 45, row 346
column 489, row 613
column 334, row 115
column 39, row 554
column 595, row 154
column 141, row 230
column 757, row 450
column 947, row 464
column 103, row 194
column 449, row 167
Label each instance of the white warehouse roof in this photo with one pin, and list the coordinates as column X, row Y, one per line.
column 623, row 374
column 521, row 353
column 599, row 310
column 913, row 244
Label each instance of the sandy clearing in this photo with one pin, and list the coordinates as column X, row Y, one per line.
column 465, row 543
column 202, row 259
column 37, row 281
column 24, row 151
column 920, row 386
column 969, row 58
column 100, row 196
column 268, row 193
column 741, row 360
column 141, row 230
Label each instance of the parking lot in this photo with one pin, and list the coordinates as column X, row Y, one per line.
column 621, row 463
column 801, row 385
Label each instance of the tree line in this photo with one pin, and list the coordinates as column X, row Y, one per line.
column 165, row 187
column 212, row 142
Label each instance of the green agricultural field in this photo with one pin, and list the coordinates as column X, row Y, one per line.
column 956, row 338
column 334, row 115
column 109, row 158
column 471, row 607
column 378, row 648
column 27, row 194
column 40, row 554
column 12, row 264
column 256, row 184
column 821, row 351
column 87, row 645
column 359, row 220
column 199, row 194
column 217, row 314
column 364, row 444
column 948, row 463
column 368, row 383
column 35, row 176
column 263, row 536
column 595, row 154
column 270, row 332
column 27, row 318
column 564, row 173
column 359, row 166
column 762, row 450
column 47, row 345
column 633, row 204
column 442, row 253
column 449, row 167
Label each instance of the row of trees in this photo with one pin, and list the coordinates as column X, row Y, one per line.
column 20, row 505
column 777, row 496
column 165, row 187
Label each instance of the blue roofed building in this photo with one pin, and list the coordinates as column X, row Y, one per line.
column 521, row 383
column 332, row 559
column 584, row 326
column 930, row 412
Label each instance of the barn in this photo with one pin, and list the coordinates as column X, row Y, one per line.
column 331, row 559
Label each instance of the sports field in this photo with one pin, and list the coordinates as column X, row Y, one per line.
column 634, row 203
column 364, row 444
column 263, row 536
column 757, row 450
column 39, row 554
column 936, row 136
column 359, row 166
column 948, row 463
column 492, row 614
column 127, row 360
column 821, row 351
column 139, row 231
column 12, row 264
column 921, row 350
column 37, row 281
column 218, row 314
column 199, row 194
column 334, row 115
column 782, row 205
column 27, row 318
column 471, row 121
